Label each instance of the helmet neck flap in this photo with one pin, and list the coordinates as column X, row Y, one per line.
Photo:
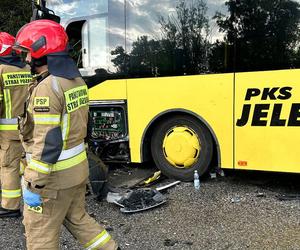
column 12, row 61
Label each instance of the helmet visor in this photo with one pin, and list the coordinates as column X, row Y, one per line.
column 20, row 48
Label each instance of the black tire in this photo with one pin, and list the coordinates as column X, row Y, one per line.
column 204, row 138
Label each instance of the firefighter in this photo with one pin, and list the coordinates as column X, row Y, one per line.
column 55, row 126
column 14, row 80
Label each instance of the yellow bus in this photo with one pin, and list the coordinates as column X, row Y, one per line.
column 153, row 96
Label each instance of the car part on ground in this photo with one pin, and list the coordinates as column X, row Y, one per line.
column 137, row 200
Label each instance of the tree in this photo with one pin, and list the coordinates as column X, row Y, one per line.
column 14, row 14
column 262, row 34
column 121, row 61
column 181, row 49
column 188, row 31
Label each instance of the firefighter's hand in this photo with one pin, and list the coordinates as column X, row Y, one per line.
column 31, row 199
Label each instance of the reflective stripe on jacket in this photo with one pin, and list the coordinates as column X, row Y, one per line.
column 58, row 111
column 14, row 83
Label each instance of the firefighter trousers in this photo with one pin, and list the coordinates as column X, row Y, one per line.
column 65, row 207
column 10, row 157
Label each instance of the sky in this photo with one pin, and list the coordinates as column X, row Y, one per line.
column 143, row 14
column 142, row 19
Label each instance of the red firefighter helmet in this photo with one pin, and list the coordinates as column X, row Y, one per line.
column 6, row 43
column 41, row 38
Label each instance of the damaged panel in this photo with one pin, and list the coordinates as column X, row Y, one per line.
column 107, row 131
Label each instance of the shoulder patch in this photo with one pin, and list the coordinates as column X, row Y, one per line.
column 76, row 98
column 16, row 79
column 41, row 101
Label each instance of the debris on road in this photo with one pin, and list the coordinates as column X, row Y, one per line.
column 288, row 197
column 167, row 184
column 154, row 178
column 261, row 195
column 129, row 177
column 235, row 200
column 137, row 200
column 170, row 242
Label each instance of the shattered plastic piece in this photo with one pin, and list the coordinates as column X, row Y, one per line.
column 153, row 178
column 235, row 200
column 114, row 198
column 170, row 242
column 220, row 172
column 137, row 200
column 288, row 197
column 213, row 175
column 141, row 199
column 260, row 195
column 189, row 243
column 160, row 188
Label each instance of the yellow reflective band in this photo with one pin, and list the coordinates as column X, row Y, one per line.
column 65, row 129
column 22, row 168
column 100, row 240
column 65, row 164
column 16, row 79
column 40, row 167
column 7, row 103
column 76, row 98
column 41, row 101
column 46, row 119
column 11, row 193
column 8, row 127
column 59, row 166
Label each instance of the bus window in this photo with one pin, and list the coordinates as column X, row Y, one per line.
column 265, row 34
column 176, row 38
column 98, row 39
column 74, row 31
column 96, row 45
column 74, row 9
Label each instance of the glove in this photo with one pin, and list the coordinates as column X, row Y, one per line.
column 31, row 199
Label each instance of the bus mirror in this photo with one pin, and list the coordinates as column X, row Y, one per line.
column 38, row 14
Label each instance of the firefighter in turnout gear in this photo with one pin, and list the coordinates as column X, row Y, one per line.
column 14, row 80
column 54, row 129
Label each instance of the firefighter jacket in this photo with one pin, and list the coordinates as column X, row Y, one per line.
column 14, row 83
column 54, row 128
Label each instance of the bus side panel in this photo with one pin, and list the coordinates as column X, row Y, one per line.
column 267, row 139
column 108, row 90
column 209, row 96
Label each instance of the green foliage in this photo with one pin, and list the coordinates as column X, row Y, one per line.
column 263, row 34
column 182, row 49
column 121, row 60
column 14, row 14
column 259, row 35
column 188, row 31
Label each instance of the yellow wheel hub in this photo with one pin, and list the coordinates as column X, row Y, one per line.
column 181, row 147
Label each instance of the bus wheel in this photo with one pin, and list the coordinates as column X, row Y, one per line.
column 180, row 145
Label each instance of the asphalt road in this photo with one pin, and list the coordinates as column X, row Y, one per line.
column 240, row 211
